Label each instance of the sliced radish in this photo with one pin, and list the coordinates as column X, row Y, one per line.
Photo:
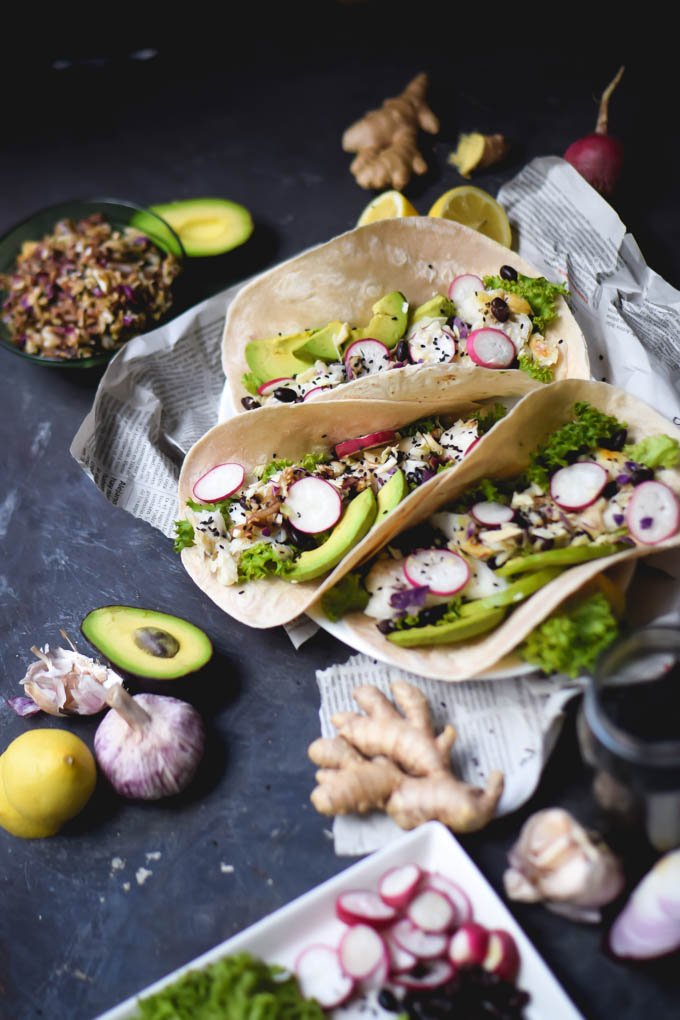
column 472, row 445
column 424, row 945
column 469, row 945
column 464, row 287
column 502, row 955
column 491, row 348
column 443, row 571
column 653, row 513
column 457, row 896
column 438, row 973
column 397, row 886
column 432, row 911
column 432, row 344
column 267, row 388
column 348, row 446
column 363, row 906
column 492, row 515
column 313, row 505
column 400, row 958
column 314, row 392
column 362, row 953
column 578, row 485
column 365, row 357
column 218, row 483
column 321, row 976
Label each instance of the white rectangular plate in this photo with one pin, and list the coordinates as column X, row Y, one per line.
column 280, row 937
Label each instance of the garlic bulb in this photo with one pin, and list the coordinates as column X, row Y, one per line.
column 556, row 861
column 64, row 681
column 649, row 924
column 149, row 746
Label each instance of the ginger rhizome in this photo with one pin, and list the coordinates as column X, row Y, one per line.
column 391, row 760
column 385, row 140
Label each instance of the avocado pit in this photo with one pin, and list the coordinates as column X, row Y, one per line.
column 157, row 642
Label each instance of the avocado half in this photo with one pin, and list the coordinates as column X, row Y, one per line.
column 207, row 226
column 146, row 643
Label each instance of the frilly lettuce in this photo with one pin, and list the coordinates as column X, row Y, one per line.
column 655, row 452
column 571, row 641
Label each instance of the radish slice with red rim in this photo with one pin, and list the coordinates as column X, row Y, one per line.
column 443, row 571
column 502, row 955
column 458, row 897
column 653, row 513
column 424, row 945
column 363, row 906
column 362, row 953
column 313, row 505
column 400, row 958
column 464, row 286
column 578, row 485
column 491, row 348
column 348, row 446
column 469, row 945
column 438, row 973
column 491, row 514
column 218, row 483
column 321, row 976
column 432, row 911
column 366, row 357
column 267, row 388
column 397, row 886
column 314, row 392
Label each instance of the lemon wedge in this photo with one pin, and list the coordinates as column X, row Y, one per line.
column 477, row 209
column 386, row 207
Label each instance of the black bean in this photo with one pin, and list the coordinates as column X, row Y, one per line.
column 431, row 615
column 641, row 474
column 402, row 352
column 299, row 538
column 285, row 395
column 385, row 626
column 521, row 519
column 610, row 489
column 615, row 442
column 388, row 1000
column 508, row 273
column 250, row 403
column 500, row 309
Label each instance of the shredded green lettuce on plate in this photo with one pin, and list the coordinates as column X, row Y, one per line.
column 571, row 640
column 655, row 452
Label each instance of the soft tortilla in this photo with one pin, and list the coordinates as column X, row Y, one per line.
column 418, row 255
column 290, row 432
column 505, row 453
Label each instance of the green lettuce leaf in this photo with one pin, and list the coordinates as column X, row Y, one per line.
column 486, row 418
column 307, row 462
column 588, row 429
column 421, row 425
column 486, row 489
column 262, row 560
column 655, row 452
column 410, row 620
column 541, row 294
column 542, row 373
column 184, row 535
column 571, row 640
column 250, row 382
column 347, row 596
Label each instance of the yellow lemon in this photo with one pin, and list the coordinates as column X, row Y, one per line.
column 46, row 777
column 475, row 208
column 386, row 207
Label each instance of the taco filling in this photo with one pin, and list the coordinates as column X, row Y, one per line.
column 496, row 322
column 298, row 520
column 586, row 494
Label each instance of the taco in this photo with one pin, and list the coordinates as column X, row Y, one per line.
column 578, row 477
column 421, row 295
column 277, row 505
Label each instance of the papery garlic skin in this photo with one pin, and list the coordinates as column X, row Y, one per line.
column 649, row 924
column 65, row 682
column 557, row 862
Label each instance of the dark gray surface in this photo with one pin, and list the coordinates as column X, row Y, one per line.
column 258, row 121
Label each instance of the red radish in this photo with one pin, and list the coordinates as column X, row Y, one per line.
column 431, row 911
column 348, row 446
column 365, row 357
column 457, row 896
column 218, row 483
column 464, row 286
column 578, row 485
column 502, row 956
column 267, row 388
column 438, row 973
column 397, row 886
column 432, row 344
column 469, row 945
column 314, row 392
column 492, row 515
column 491, row 348
column 472, row 445
column 599, row 157
column 653, row 513
column 321, row 976
column 443, row 571
column 362, row 953
column 400, row 958
column 363, row 906
column 313, row 505
column 424, row 945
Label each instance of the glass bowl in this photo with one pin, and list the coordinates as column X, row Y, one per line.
column 119, row 214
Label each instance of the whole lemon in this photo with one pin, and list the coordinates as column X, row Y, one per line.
column 46, row 777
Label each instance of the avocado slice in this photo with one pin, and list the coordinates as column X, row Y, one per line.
column 391, row 494
column 438, row 307
column 325, row 343
column 207, row 226
column 390, row 317
column 446, row 633
column 557, row 558
column 514, row 593
column 147, row 643
column 355, row 522
column 276, row 357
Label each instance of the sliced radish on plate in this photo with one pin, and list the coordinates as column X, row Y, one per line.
column 464, row 287
column 653, row 513
column 348, row 446
column 314, row 392
column 321, row 976
column 397, row 886
column 400, row 959
column 491, row 348
column 432, row 344
column 424, row 945
column 502, row 956
column 457, row 895
column 267, row 388
column 438, row 973
column 492, row 515
column 363, row 906
column 469, row 945
column 362, row 953
column 365, row 357
column 578, row 485
column 313, row 505
column 218, row 483
column 443, row 571
column 432, row 911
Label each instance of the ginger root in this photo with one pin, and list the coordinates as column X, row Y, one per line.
column 392, row 761
column 476, row 151
column 385, row 139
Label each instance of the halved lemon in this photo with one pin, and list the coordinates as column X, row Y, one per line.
column 475, row 208
column 386, row 207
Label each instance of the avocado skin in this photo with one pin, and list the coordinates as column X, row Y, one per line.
column 438, row 307
column 390, row 317
column 325, row 343
column 110, row 629
column 513, row 594
column 557, row 558
column 277, row 357
column 391, row 494
column 447, row 633
column 186, row 216
column 355, row 522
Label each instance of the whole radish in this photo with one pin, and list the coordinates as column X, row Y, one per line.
column 599, row 157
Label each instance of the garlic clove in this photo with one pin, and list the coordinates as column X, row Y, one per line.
column 64, row 681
